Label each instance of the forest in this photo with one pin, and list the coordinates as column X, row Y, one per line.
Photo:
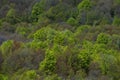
column 59, row 39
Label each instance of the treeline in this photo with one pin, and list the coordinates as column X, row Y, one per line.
column 60, row 40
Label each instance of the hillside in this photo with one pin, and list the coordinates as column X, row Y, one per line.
column 59, row 39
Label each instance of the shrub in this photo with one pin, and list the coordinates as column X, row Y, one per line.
column 53, row 77
column 37, row 10
column 44, row 34
column 22, row 59
column 84, row 5
column 116, row 21
column 84, row 59
column 59, row 12
column 11, row 16
column 116, row 41
column 29, row 75
column 72, row 21
column 105, row 61
column 6, row 48
column 65, row 37
column 48, row 64
column 22, row 31
column 2, row 77
column 103, row 38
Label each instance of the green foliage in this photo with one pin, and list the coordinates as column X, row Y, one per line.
column 64, row 38
column 84, row 5
column 105, row 61
column 29, row 75
column 6, row 48
column 116, row 2
column 11, row 13
column 59, row 12
column 53, row 77
column 44, row 34
column 84, row 58
column 116, row 21
column 116, row 41
column 0, row 22
column 81, row 32
column 48, row 64
column 2, row 77
column 103, row 38
column 43, row 38
column 22, row 30
column 37, row 10
column 85, row 55
column 38, row 45
column 72, row 21
column 23, row 58
column 11, row 16
column 69, row 39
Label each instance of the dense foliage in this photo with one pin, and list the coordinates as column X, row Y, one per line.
column 59, row 39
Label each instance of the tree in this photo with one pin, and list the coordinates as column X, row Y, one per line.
column 37, row 10
column 72, row 21
column 59, row 12
column 85, row 5
column 103, row 38
column 11, row 16
column 116, row 21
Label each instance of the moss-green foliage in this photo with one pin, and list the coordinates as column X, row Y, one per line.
column 2, row 77
column 64, row 38
column 11, row 16
column 72, row 21
column 103, row 38
column 29, row 75
column 53, row 77
column 59, row 40
column 116, row 21
column 44, row 34
column 48, row 64
column 6, row 48
column 84, row 5
column 116, row 2
column 37, row 10
column 59, row 12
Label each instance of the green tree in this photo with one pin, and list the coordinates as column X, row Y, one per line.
column 53, row 77
column 103, row 38
column 37, row 10
column 59, row 13
column 85, row 5
column 48, row 64
column 116, row 21
column 72, row 21
column 29, row 75
column 2, row 77
column 11, row 16
column 6, row 48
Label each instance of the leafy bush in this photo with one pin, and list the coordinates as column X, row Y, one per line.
column 59, row 12
column 84, row 5
column 38, row 9
column 64, row 38
column 11, row 16
column 103, row 38
column 22, row 59
column 48, row 64
column 53, row 77
column 6, row 48
column 29, row 75
column 72, row 21
column 116, row 21
column 44, row 34
column 2, row 77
